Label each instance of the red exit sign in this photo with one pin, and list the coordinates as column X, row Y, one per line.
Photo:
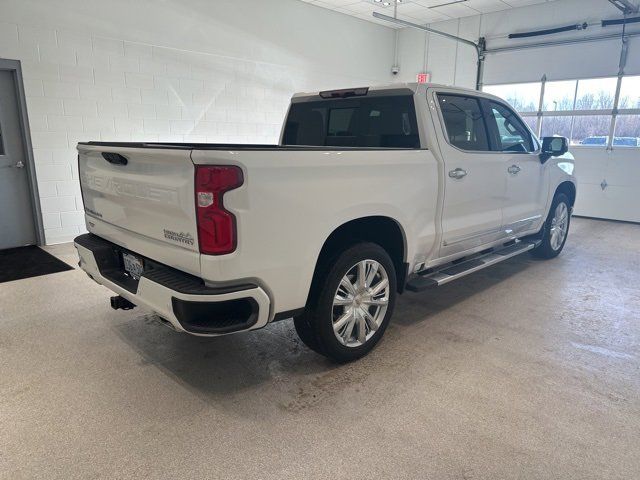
column 423, row 77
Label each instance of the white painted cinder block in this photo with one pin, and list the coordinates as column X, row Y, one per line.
column 142, row 111
column 64, row 123
column 76, row 73
column 61, row 90
column 95, row 92
column 51, row 220
column 156, row 126
column 44, row 106
column 49, row 139
column 84, row 108
column 69, row 219
column 50, row 173
column 58, row 204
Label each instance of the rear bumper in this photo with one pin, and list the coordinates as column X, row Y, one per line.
column 181, row 299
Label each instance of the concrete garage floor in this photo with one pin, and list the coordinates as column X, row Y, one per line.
column 529, row 369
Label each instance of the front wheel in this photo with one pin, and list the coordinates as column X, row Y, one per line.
column 349, row 313
column 555, row 229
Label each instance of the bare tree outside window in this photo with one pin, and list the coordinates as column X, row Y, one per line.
column 556, row 126
column 559, row 96
column 596, row 94
column 523, row 97
column 627, row 131
column 532, row 122
column 592, row 130
column 630, row 93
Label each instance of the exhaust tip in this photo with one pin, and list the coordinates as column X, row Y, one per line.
column 121, row 303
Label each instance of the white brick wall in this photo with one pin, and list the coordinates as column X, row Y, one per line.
column 82, row 87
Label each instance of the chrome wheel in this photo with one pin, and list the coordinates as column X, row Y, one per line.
column 559, row 226
column 360, row 303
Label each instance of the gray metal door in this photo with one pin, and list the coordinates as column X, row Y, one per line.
column 17, row 226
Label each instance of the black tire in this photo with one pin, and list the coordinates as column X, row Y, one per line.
column 305, row 332
column 315, row 325
column 546, row 249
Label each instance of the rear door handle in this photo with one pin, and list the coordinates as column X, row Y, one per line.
column 458, row 173
column 514, row 169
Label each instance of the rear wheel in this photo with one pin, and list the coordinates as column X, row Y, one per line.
column 555, row 229
column 351, row 309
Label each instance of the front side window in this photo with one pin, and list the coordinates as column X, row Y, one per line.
column 376, row 121
column 464, row 122
column 511, row 135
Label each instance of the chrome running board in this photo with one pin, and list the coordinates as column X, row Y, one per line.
column 452, row 271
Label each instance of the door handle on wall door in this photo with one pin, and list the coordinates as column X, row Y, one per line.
column 458, row 173
column 514, row 169
column 19, row 164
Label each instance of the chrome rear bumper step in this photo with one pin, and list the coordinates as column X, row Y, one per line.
column 450, row 272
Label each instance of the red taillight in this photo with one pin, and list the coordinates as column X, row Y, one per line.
column 216, row 226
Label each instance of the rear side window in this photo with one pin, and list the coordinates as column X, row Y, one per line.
column 464, row 122
column 385, row 122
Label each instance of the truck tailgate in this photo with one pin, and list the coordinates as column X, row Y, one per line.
column 142, row 198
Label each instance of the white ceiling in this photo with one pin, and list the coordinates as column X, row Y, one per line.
column 420, row 11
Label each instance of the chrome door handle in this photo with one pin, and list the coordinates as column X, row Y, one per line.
column 458, row 173
column 514, row 169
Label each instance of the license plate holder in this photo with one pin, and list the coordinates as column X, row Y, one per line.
column 133, row 265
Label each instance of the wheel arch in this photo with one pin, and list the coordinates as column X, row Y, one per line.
column 381, row 230
column 569, row 189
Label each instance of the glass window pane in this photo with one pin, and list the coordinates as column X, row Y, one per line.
column 591, row 130
column 386, row 122
column 341, row 122
column 627, row 131
column 512, row 135
column 464, row 122
column 630, row 93
column 556, row 126
column 596, row 93
column 532, row 122
column 523, row 97
column 559, row 95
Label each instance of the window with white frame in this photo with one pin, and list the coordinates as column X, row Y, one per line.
column 592, row 112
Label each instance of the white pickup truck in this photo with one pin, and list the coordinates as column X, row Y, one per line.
column 371, row 192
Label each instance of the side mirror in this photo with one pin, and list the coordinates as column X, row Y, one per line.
column 553, row 147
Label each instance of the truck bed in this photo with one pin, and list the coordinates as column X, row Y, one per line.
column 291, row 200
